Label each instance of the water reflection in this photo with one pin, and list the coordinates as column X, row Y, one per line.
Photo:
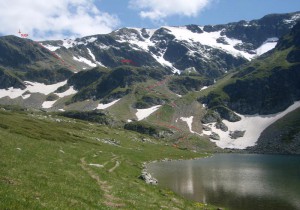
column 235, row 181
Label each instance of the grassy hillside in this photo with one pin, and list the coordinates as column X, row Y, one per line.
column 52, row 162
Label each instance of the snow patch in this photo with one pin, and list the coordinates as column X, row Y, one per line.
column 268, row 45
column 209, row 39
column 32, row 87
column 204, row 87
column 94, row 58
column 189, row 121
column 51, row 47
column 105, row 106
column 160, row 59
column 84, row 60
column 144, row 113
column 92, row 39
column 68, row 43
column 293, row 19
column 254, row 125
column 48, row 104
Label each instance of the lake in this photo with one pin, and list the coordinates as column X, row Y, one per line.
column 235, row 181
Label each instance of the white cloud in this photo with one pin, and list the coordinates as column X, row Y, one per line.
column 54, row 19
column 160, row 9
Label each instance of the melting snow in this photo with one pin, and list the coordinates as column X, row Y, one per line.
column 94, row 58
column 68, row 43
column 204, row 87
column 143, row 113
column 48, row 104
column 32, row 87
column 92, row 39
column 104, row 106
column 189, row 121
column 254, row 125
column 293, row 19
column 160, row 59
column 209, row 39
column 84, row 60
column 51, row 47
column 268, row 45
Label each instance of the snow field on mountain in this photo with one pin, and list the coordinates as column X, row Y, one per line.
column 191, row 40
column 105, row 106
column 254, row 125
column 84, row 60
column 32, row 87
column 209, row 39
column 35, row 87
column 268, row 45
column 51, row 47
column 144, row 113
column 49, row 104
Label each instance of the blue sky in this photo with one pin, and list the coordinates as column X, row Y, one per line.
column 57, row 19
column 218, row 12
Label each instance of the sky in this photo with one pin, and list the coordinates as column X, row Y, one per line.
column 59, row 19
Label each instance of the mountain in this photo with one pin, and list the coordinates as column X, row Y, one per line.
column 211, row 50
column 179, row 83
column 258, row 94
column 29, row 60
column 266, row 85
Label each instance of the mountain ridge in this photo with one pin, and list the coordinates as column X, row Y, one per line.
column 157, row 76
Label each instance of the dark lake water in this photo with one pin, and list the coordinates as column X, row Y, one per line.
column 235, row 181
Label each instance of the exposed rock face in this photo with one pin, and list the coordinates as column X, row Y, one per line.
column 266, row 95
column 227, row 114
column 206, row 128
column 268, row 85
column 237, row 134
column 144, row 46
column 214, row 136
column 221, row 126
column 211, row 117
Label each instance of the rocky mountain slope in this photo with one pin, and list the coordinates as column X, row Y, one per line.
column 262, row 92
column 158, row 76
column 210, row 50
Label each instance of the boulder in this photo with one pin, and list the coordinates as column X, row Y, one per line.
column 221, row 126
column 214, row 136
column 148, row 178
column 237, row 134
column 206, row 128
column 210, row 117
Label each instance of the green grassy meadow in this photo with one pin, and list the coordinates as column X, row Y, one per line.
column 51, row 162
